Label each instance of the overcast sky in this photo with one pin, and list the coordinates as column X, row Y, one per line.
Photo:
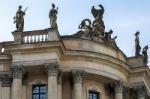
column 124, row 17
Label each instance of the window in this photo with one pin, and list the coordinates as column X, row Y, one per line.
column 93, row 95
column 39, row 92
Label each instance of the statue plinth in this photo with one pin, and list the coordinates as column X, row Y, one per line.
column 17, row 37
column 136, row 61
column 53, row 34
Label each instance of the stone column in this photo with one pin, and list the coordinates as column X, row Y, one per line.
column 60, row 78
column 77, row 83
column 141, row 91
column 0, row 87
column 118, row 90
column 17, row 82
column 52, row 71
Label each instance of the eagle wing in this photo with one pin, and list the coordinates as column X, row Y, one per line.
column 94, row 12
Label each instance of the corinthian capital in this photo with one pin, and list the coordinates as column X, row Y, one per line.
column 78, row 76
column 118, row 87
column 52, row 69
column 17, row 71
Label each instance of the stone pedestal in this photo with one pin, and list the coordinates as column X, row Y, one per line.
column 53, row 34
column 17, row 37
column 17, row 82
column 118, row 90
column 52, row 71
column 77, row 83
column 141, row 91
column 136, row 61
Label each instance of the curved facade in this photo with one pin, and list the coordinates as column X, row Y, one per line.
column 68, row 67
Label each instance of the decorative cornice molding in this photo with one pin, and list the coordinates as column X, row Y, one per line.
column 52, row 69
column 17, row 71
column 78, row 76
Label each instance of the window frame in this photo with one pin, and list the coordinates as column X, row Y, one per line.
column 39, row 92
column 93, row 92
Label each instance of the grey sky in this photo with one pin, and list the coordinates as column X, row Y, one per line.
column 125, row 17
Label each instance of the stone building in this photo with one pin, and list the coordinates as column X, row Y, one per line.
column 42, row 64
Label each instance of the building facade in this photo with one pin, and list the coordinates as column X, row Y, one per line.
column 42, row 64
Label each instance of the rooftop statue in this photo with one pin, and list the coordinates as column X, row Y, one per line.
column 19, row 19
column 109, row 39
column 53, row 16
column 137, row 44
column 144, row 53
column 98, row 24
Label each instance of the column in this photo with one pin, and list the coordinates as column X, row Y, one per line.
column 60, row 78
column 52, row 71
column 77, row 83
column 141, row 91
column 0, row 87
column 17, row 82
column 118, row 90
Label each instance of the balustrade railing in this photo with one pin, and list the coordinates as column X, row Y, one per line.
column 35, row 36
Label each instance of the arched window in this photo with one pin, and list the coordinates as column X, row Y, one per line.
column 94, row 94
column 39, row 91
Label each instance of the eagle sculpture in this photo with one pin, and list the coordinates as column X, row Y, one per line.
column 97, row 13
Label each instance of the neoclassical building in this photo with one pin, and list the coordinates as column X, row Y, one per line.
column 41, row 64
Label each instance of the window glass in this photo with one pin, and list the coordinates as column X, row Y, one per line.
column 93, row 95
column 39, row 91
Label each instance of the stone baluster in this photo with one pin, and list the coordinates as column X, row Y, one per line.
column 52, row 71
column 141, row 91
column 17, row 81
column 77, row 83
column 118, row 90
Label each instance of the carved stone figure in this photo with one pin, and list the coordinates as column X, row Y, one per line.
column 137, row 44
column 108, row 36
column 98, row 24
column 86, row 27
column 19, row 19
column 113, row 41
column 53, row 16
column 144, row 53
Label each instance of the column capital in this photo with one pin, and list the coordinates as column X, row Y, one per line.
column 118, row 87
column 17, row 71
column 52, row 69
column 78, row 75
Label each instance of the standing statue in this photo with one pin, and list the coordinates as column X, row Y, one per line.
column 98, row 24
column 144, row 52
column 19, row 19
column 137, row 44
column 53, row 16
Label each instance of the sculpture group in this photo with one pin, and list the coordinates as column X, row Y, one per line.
column 88, row 30
column 19, row 18
column 138, row 48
